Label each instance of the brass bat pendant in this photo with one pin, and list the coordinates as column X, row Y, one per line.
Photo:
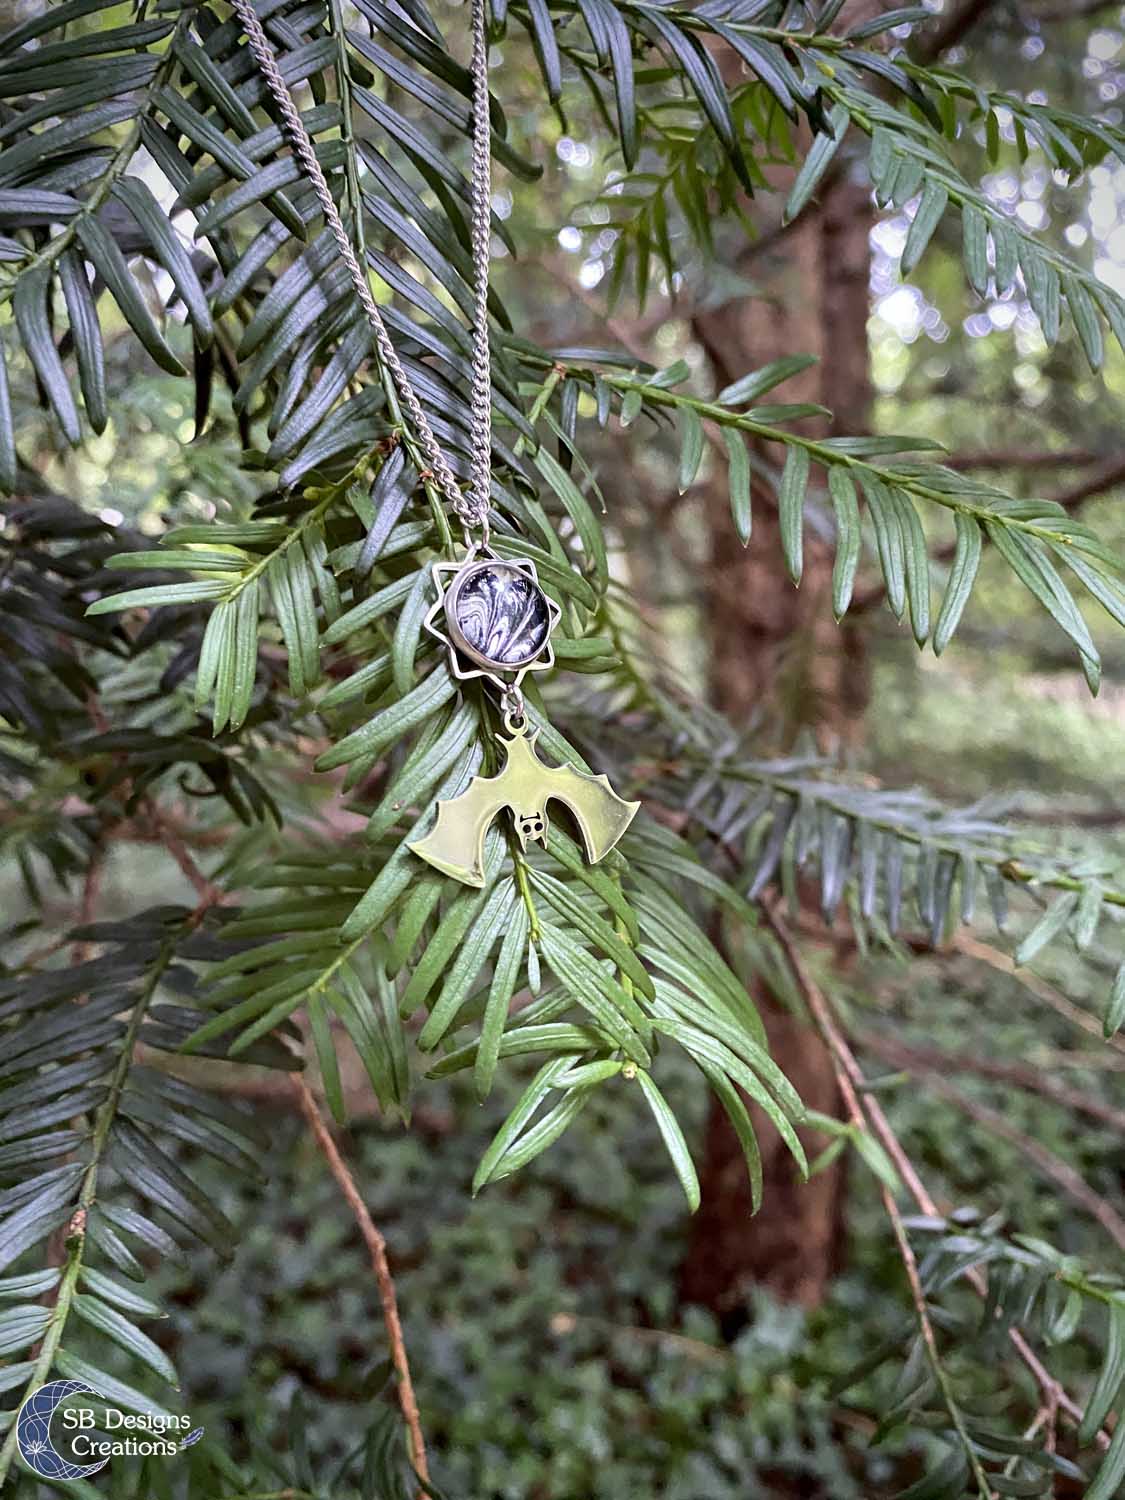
column 455, row 846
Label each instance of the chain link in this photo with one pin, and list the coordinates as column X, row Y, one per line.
column 471, row 507
column 480, row 458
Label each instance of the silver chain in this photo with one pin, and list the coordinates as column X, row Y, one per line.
column 472, row 506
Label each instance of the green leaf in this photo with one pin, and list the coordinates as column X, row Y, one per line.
column 326, row 1058
column 145, row 1230
column 717, row 1022
column 13, row 1376
column 876, row 1158
column 848, row 538
column 706, row 1050
column 1086, row 917
column 110, row 1243
column 542, row 32
column 137, row 197
column 545, row 1132
column 30, row 304
column 758, row 382
column 889, row 541
column 595, row 991
column 578, row 509
column 621, row 62
column 34, row 1284
column 21, row 1326
column 123, row 1297
column 945, row 1482
column 527, row 1039
column 427, row 763
column 992, row 136
column 110, row 264
column 194, row 559
column 596, row 929
column 595, row 879
column 352, row 1004
column 368, row 610
column 1042, row 281
column 408, row 633
column 702, row 72
column 1115, row 1008
column 471, row 956
column 244, row 654
column 1029, row 562
column 199, row 591
column 962, row 575
column 738, row 479
column 214, row 673
column 114, row 1392
column 817, row 162
column 929, row 214
column 1081, row 306
column 118, row 1328
column 974, row 229
column 1050, row 924
column 458, row 917
column 791, row 508
column 917, row 564
column 691, row 448
column 528, row 1102
column 505, row 976
column 1110, row 1377
column 1108, row 1480
column 392, row 723
column 87, row 335
column 399, row 872
column 673, row 1137
column 729, row 1097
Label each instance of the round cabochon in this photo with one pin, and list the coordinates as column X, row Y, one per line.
column 498, row 615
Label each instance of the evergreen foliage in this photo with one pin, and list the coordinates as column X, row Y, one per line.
column 145, row 185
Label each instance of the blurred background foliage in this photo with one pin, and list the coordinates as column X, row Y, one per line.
column 557, row 1345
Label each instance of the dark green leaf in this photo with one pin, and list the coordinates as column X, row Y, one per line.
column 791, row 509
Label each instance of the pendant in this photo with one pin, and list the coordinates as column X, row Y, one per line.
column 496, row 620
column 494, row 617
column 525, row 786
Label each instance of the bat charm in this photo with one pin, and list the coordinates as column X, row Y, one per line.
column 455, row 846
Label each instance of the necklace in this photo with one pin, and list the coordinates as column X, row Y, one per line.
column 491, row 614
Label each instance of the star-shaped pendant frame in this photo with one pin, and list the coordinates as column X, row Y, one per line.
column 466, row 660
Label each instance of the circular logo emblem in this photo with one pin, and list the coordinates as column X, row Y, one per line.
column 33, row 1432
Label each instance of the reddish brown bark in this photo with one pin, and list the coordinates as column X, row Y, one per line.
column 794, row 1245
column 778, row 647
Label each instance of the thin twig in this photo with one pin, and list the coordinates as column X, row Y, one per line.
column 91, row 890
column 915, row 1059
column 209, row 894
column 377, row 1248
column 41, row 955
column 1069, row 1182
column 918, row 1297
column 844, row 1060
column 1024, row 458
column 696, row 1349
column 846, row 1070
column 1047, row 993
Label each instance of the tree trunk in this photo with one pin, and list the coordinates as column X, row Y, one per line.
column 778, row 647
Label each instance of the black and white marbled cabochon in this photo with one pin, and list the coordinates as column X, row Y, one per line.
column 502, row 614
